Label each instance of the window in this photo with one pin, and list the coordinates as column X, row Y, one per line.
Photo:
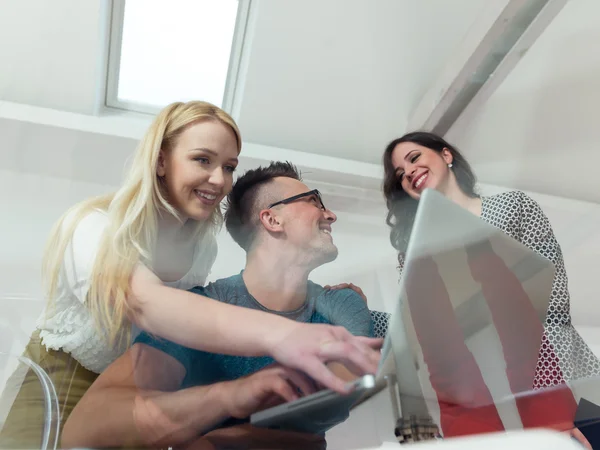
column 179, row 50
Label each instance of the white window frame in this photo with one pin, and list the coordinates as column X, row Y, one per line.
column 114, row 60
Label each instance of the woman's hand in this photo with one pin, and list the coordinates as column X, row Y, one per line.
column 233, row 330
column 579, row 437
column 309, row 347
column 354, row 287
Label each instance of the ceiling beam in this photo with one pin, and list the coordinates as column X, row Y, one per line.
column 492, row 47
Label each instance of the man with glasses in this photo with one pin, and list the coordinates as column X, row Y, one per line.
column 162, row 394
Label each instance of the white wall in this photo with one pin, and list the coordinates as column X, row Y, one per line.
column 53, row 53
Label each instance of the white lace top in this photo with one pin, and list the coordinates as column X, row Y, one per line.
column 69, row 325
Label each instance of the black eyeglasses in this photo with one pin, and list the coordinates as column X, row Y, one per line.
column 285, row 201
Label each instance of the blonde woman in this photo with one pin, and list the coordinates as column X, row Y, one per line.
column 123, row 262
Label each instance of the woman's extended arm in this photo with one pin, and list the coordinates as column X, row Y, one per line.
column 202, row 323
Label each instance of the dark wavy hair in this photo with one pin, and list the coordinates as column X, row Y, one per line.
column 247, row 198
column 401, row 207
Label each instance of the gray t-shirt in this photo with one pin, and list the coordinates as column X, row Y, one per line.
column 342, row 307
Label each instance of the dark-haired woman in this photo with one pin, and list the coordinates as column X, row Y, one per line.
column 421, row 160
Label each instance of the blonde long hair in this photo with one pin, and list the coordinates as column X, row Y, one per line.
column 132, row 211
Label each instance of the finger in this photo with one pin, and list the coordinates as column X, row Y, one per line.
column 342, row 334
column 281, row 387
column 294, row 376
column 354, row 358
column 339, row 286
column 271, row 402
column 318, row 371
column 301, row 381
column 362, row 346
column 326, row 287
column 374, row 343
column 357, row 289
column 374, row 357
column 577, row 434
column 371, row 348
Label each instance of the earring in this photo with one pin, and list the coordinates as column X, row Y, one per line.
column 450, row 165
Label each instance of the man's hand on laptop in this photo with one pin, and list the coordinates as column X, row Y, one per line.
column 309, row 347
column 264, row 389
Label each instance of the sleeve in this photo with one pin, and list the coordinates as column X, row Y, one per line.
column 536, row 233
column 80, row 253
column 346, row 308
column 535, row 230
column 180, row 353
column 401, row 262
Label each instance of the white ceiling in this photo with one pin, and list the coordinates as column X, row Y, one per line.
column 340, row 77
column 327, row 84
column 334, row 77
column 539, row 130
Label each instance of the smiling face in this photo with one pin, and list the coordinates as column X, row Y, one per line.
column 198, row 170
column 419, row 167
column 305, row 221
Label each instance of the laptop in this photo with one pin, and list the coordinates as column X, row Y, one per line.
column 442, row 231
